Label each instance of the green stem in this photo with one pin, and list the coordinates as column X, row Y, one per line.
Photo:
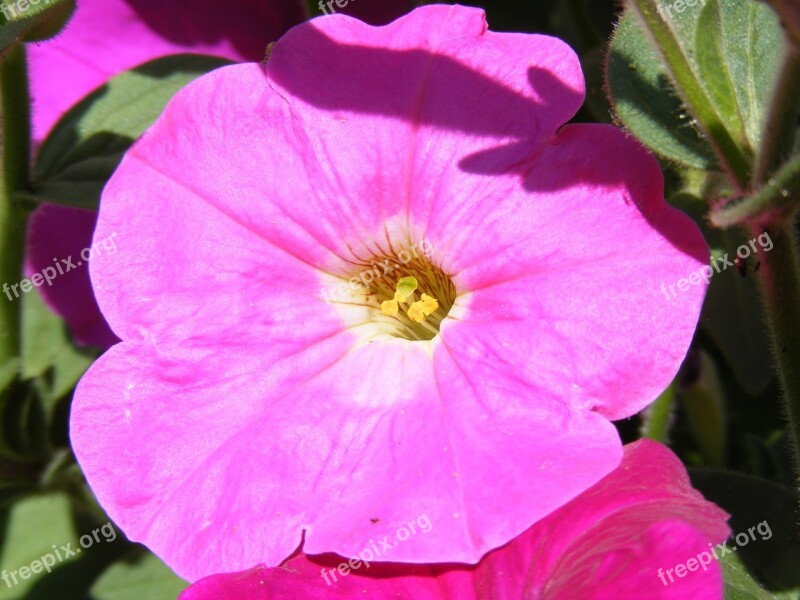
column 777, row 139
column 657, row 417
column 773, row 202
column 780, row 286
column 15, row 160
column 731, row 156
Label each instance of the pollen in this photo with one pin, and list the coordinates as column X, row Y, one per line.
column 415, row 312
column 429, row 305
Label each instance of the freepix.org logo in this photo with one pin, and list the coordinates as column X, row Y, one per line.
column 13, row 10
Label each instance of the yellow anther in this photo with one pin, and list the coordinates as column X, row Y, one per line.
column 416, row 312
column 429, row 305
column 405, row 293
column 389, row 307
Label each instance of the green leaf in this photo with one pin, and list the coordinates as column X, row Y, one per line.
column 46, row 345
column 772, row 552
column 645, row 102
column 43, row 336
column 740, row 585
column 22, row 424
column 724, row 55
column 729, row 315
column 739, row 48
column 17, row 479
column 34, row 525
column 8, row 372
column 713, row 69
column 26, row 21
column 83, row 150
column 147, row 578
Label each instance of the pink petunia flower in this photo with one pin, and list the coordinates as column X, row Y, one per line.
column 104, row 38
column 621, row 538
column 269, row 391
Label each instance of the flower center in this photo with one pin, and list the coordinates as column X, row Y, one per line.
column 407, row 295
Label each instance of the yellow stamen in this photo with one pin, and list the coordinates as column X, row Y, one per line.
column 405, row 294
column 429, row 304
column 416, row 312
column 390, row 307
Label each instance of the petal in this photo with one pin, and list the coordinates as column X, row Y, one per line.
column 303, row 579
column 616, row 540
column 206, row 253
column 352, row 455
column 589, row 286
column 275, row 138
column 625, row 515
column 628, row 558
column 399, row 108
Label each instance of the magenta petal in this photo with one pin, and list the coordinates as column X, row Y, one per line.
column 300, row 579
column 642, row 517
column 57, row 236
column 616, row 540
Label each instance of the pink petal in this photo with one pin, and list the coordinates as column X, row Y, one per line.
column 327, row 458
column 609, row 542
column 403, row 106
column 590, row 281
